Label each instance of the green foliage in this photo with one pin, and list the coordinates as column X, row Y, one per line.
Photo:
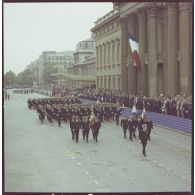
column 47, row 71
column 27, row 77
column 10, row 78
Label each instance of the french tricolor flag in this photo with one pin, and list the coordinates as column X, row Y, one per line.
column 135, row 51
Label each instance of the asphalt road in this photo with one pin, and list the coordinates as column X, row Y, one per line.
column 43, row 158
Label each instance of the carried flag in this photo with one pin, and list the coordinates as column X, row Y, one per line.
column 135, row 51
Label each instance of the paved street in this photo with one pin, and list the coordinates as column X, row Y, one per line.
column 43, row 157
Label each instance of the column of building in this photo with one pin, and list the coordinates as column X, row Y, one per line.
column 124, row 48
column 112, row 70
column 132, row 72
column 97, row 69
column 185, row 49
column 172, row 50
column 152, row 52
column 117, row 62
column 164, row 48
column 141, row 77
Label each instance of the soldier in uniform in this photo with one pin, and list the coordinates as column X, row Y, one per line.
column 72, row 122
column 131, row 128
column 117, row 115
column 124, row 125
column 59, row 116
column 76, row 129
column 95, row 127
column 139, row 125
column 85, row 128
column 134, row 126
column 150, row 127
column 144, row 134
column 41, row 112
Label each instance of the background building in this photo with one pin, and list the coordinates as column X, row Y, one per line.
column 53, row 62
column 164, row 33
column 84, row 62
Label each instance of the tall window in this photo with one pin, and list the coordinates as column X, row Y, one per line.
column 104, row 54
column 108, row 53
column 97, row 61
column 118, row 51
column 100, row 55
column 113, row 52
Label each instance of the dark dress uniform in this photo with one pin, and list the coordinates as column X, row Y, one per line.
column 86, row 128
column 76, row 126
column 72, row 122
column 131, row 128
column 150, row 127
column 59, row 118
column 139, row 125
column 144, row 136
column 124, row 125
column 117, row 115
column 95, row 129
column 134, row 126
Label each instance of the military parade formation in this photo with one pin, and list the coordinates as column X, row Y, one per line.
column 90, row 116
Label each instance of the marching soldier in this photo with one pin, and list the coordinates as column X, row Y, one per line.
column 131, row 128
column 85, row 128
column 117, row 115
column 59, row 116
column 76, row 129
column 144, row 134
column 72, row 123
column 124, row 125
column 134, row 126
column 150, row 127
column 139, row 125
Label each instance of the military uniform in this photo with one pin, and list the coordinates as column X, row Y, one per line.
column 124, row 125
column 144, row 135
column 76, row 127
column 85, row 125
column 72, row 122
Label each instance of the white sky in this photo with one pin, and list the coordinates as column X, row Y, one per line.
column 30, row 28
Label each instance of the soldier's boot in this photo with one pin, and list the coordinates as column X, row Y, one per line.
column 131, row 138
column 76, row 139
column 124, row 135
column 144, row 151
column 149, row 138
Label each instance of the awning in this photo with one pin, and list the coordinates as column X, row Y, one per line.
column 73, row 77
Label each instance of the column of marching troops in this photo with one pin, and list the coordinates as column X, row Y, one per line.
column 88, row 116
column 23, row 91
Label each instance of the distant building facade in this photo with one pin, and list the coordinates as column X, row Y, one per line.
column 164, row 33
column 59, row 61
column 84, row 59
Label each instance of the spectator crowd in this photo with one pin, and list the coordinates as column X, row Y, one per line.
column 180, row 106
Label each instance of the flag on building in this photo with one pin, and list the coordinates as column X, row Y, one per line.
column 135, row 51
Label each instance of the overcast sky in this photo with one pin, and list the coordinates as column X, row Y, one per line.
column 30, row 28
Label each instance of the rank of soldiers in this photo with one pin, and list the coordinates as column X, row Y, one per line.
column 80, row 116
column 90, row 116
column 65, row 108
column 23, row 91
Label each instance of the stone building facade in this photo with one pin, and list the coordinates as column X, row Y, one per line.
column 164, row 33
column 84, row 59
column 58, row 60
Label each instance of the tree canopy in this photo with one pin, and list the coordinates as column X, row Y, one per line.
column 10, row 78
